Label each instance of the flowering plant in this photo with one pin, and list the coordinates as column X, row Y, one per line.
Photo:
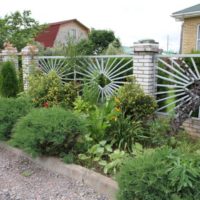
column 46, row 104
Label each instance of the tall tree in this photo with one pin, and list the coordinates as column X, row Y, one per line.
column 19, row 29
column 98, row 41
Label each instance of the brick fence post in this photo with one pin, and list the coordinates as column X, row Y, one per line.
column 9, row 53
column 145, row 65
column 29, row 60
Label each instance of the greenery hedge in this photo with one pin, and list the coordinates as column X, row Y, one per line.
column 49, row 90
column 132, row 100
column 11, row 109
column 8, row 80
column 48, row 131
column 166, row 173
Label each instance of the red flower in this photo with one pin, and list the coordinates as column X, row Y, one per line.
column 46, row 104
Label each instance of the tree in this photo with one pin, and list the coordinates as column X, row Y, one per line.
column 98, row 41
column 8, row 80
column 85, row 47
column 113, row 49
column 19, row 29
column 101, row 39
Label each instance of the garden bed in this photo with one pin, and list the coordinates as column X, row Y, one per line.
column 119, row 136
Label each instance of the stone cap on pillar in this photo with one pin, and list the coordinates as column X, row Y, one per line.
column 29, row 50
column 9, row 49
column 146, row 46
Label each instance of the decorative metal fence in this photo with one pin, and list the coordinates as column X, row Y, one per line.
column 108, row 73
column 176, row 75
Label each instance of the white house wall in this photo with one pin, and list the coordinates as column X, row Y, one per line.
column 64, row 30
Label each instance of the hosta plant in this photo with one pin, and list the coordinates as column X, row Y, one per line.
column 103, row 155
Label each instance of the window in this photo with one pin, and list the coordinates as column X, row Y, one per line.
column 72, row 33
column 198, row 37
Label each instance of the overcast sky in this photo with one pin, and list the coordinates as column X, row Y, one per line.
column 131, row 20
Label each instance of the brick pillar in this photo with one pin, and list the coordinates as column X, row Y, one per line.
column 145, row 65
column 29, row 60
column 10, row 54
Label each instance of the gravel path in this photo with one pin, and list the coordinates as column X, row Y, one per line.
column 21, row 179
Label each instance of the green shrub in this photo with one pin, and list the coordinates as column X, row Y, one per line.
column 166, row 173
column 157, row 132
column 124, row 132
column 10, row 111
column 49, row 131
column 80, row 105
column 49, row 90
column 20, row 75
column 99, row 119
column 104, row 157
column 0, row 77
column 8, row 80
column 91, row 93
column 68, row 158
column 132, row 100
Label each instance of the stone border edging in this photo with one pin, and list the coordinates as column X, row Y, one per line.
column 98, row 182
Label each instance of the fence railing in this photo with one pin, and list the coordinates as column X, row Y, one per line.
column 175, row 77
column 108, row 73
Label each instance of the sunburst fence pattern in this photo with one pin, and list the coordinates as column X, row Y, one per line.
column 175, row 76
column 108, row 73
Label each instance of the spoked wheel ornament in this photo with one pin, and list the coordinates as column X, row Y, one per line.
column 178, row 88
column 107, row 73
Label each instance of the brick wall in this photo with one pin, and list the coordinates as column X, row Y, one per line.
column 189, row 34
column 144, row 70
column 192, row 126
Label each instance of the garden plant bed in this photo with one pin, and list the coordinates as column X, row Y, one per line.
column 49, row 178
column 118, row 136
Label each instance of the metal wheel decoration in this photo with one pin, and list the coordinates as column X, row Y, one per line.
column 58, row 64
column 186, row 108
column 108, row 73
column 178, row 86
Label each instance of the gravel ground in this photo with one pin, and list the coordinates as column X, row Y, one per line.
column 21, row 179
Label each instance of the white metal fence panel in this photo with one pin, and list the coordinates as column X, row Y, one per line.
column 176, row 75
column 108, row 73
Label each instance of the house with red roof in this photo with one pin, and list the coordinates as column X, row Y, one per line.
column 59, row 32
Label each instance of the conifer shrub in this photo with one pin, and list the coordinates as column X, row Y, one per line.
column 48, row 131
column 11, row 109
column 8, row 80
